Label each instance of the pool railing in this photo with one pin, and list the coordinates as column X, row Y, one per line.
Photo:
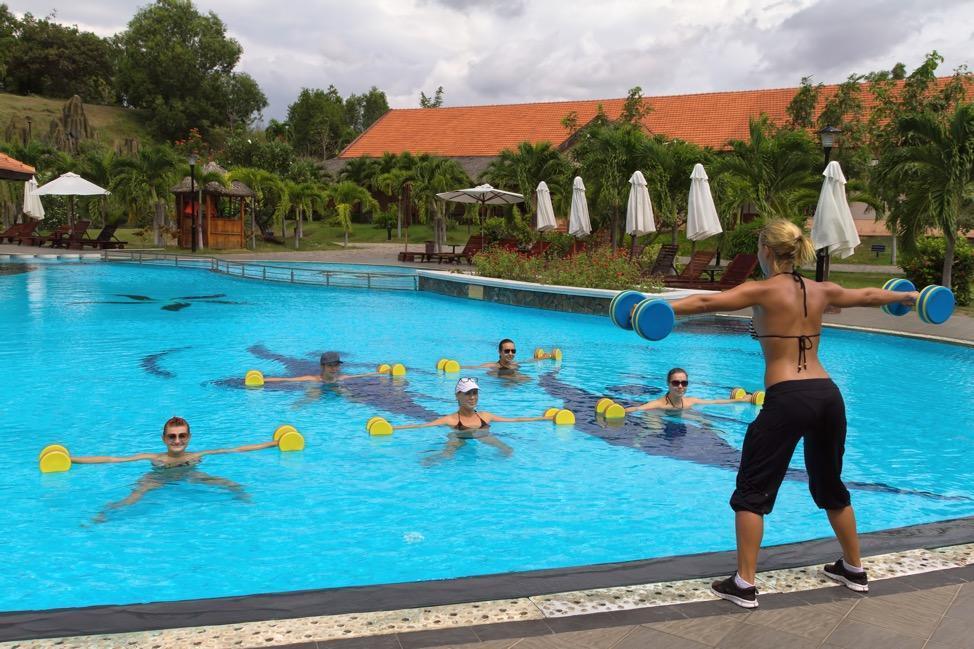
column 270, row 272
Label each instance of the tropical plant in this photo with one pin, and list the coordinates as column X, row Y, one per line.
column 924, row 264
column 145, row 181
column 776, row 170
column 933, row 173
column 346, row 195
column 432, row 176
column 392, row 183
column 668, row 177
column 523, row 168
column 267, row 188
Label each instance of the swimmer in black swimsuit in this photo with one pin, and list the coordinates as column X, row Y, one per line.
column 676, row 398
column 801, row 402
column 175, row 465
column 468, row 424
column 505, row 366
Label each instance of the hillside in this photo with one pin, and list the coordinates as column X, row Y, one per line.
column 112, row 124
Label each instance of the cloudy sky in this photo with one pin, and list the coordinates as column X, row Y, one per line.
column 507, row 51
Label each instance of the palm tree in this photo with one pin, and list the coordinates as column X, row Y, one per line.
column 345, row 195
column 522, row 169
column 933, row 174
column 392, row 184
column 145, row 180
column 776, row 170
column 267, row 187
column 668, row 177
column 432, row 176
column 96, row 165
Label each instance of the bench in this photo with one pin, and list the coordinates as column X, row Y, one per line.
column 877, row 249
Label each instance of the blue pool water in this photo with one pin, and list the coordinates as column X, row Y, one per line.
column 88, row 363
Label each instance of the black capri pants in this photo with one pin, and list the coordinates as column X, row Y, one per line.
column 810, row 408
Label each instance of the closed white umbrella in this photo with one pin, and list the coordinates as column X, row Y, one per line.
column 639, row 210
column 579, row 224
column 546, row 213
column 32, row 202
column 71, row 184
column 702, row 219
column 833, row 227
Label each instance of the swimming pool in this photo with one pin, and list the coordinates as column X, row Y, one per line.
column 97, row 356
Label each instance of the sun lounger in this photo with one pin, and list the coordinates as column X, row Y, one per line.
column 40, row 239
column 474, row 245
column 19, row 231
column 105, row 240
column 75, row 237
column 664, row 263
column 692, row 271
column 736, row 273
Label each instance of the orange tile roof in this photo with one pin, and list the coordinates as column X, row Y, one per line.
column 13, row 167
column 708, row 119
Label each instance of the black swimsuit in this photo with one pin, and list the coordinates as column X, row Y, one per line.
column 460, row 426
column 804, row 340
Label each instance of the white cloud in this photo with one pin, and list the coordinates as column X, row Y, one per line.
column 504, row 51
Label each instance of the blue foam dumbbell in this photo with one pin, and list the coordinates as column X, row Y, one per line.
column 620, row 308
column 935, row 304
column 653, row 319
column 900, row 285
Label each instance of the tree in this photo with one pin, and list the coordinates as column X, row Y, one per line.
column 392, row 183
column 363, row 110
column 522, row 169
column 432, row 176
column 431, row 102
column 776, row 170
column 54, row 60
column 635, row 109
column 177, row 64
column 801, row 108
column 253, row 149
column 144, row 181
column 317, row 121
column 668, row 177
column 267, row 188
column 346, row 195
column 933, row 171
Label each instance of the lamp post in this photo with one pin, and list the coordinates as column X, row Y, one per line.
column 827, row 137
column 192, row 196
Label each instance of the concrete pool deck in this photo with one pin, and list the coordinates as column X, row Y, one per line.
column 919, row 598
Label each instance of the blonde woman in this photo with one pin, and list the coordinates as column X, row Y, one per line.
column 801, row 401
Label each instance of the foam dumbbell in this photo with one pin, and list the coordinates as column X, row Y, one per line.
column 564, row 418
column 288, row 438
column 621, row 308
column 653, row 319
column 934, row 306
column 54, row 458
column 448, row 365
column 254, row 379
column 609, row 409
column 396, row 369
column 378, row 427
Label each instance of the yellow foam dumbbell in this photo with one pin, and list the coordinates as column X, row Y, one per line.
column 739, row 394
column 602, row 404
column 440, row 363
column 254, row 379
column 556, row 354
column 614, row 411
column 565, row 418
column 54, row 458
column 551, row 412
column 378, row 427
column 758, row 398
column 384, row 368
column 398, row 370
column 451, row 366
column 288, row 438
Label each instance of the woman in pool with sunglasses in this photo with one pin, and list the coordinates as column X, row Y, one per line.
column 174, row 465
column 676, row 395
column 467, row 423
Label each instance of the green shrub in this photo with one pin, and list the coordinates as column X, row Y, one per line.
column 743, row 240
column 926, row 264
column 597, row 269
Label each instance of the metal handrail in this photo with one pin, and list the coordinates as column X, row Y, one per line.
column 270, row 272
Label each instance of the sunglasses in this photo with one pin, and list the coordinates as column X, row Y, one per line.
column 509, row 351
column 172, row 437
column 681, row 384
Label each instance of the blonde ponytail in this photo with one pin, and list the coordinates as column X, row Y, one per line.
column 787, row 243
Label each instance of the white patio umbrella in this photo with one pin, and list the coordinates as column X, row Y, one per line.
column 639, row 210
column 482, row 195
column 702, row 219
column 546, row 212
column 32, row 202
column 71, row 184
column 833, row 230
column 579, row 224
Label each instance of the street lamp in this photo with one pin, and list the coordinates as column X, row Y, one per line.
column 192, row 196
column 827, row 136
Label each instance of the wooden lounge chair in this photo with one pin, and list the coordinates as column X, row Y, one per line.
column 105, row 240
column 411, row 256
column 75, row 237
column 19, row 231
column 692, row 271
column 665, row 260
column 474, row 245
column 736, row 273
column 40, row 239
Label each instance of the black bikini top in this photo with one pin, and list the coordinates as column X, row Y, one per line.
column 460, row 426
column 804, row 340
column 667, row 398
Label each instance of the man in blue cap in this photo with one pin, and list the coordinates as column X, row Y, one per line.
column 331, row 366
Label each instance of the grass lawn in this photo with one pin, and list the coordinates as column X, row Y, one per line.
column 317, row 236
column 865, row 280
